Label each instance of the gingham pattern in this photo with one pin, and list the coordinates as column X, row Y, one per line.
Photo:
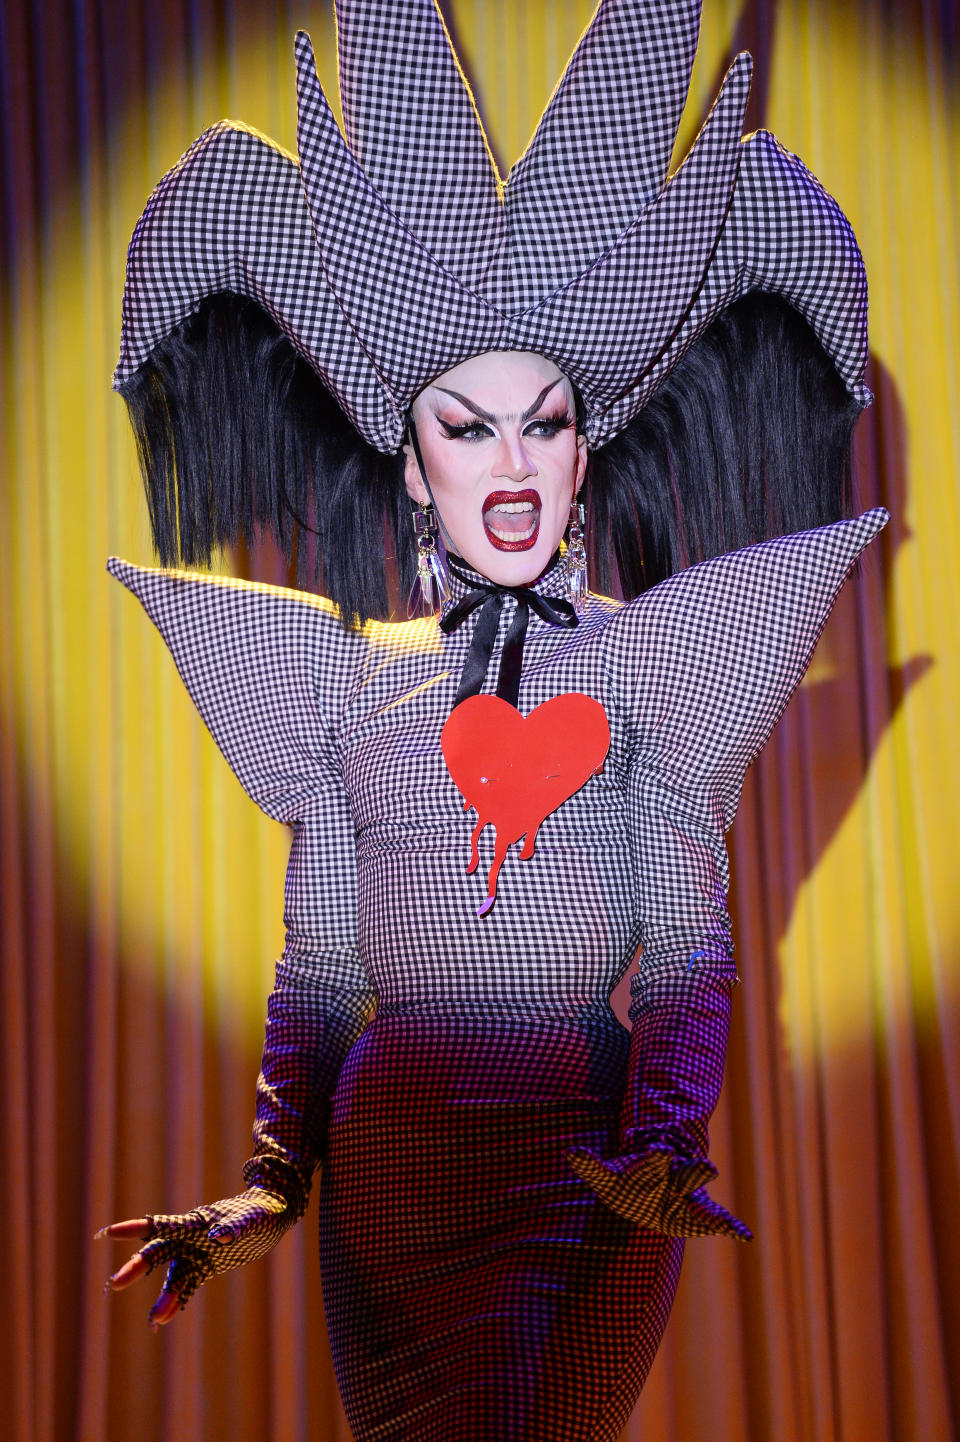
column 616, row 109
column 404, row 253
column 215, row 1238
column 475, row 1285
column 660, row 1193
column 645, row 283
column 395, row 61
column 405, row 293
column 778, row 205
column 261, row 245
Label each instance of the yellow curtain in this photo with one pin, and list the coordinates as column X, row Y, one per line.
column 141, row 890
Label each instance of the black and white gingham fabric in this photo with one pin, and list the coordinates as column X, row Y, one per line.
column 475, row 1285
column 394, row 59
column 609, row 132
column 659, row 1192
column 392, row 255
column 216, row 1238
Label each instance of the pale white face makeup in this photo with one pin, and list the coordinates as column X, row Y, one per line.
column 503, row 458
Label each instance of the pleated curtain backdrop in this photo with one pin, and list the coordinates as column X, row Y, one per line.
column 141, row 902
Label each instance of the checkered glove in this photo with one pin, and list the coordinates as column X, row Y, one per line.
column 309, row 1030
column 681, row 1017
column 208, row 1240
column 660, row 1192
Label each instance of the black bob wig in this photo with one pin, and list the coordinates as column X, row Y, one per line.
column 747, row 438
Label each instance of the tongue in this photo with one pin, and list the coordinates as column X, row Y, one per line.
column 515, row 523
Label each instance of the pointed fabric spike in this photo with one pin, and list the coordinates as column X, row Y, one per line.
column 176, row 258
column 263, row 246
column 250, row 658
column 600, row 154
column 733, row 638
column 412, row 124
column 784, row 235
column 380, row 303
column 404, row 319
column 647, row 276
column 778, row 210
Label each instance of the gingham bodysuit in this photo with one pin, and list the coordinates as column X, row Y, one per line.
column 474, row 1285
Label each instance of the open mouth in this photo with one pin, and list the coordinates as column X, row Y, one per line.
column 511, row 519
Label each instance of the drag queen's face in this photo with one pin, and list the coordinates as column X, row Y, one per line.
column 503, row 458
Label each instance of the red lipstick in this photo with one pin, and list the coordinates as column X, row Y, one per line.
column 524, row 524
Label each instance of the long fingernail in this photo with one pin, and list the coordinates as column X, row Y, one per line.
column 99, row 1236
column 108, row 1286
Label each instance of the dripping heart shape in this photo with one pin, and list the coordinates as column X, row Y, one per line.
column 514, row 770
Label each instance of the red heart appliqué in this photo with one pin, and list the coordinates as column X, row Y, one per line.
column 514, row 770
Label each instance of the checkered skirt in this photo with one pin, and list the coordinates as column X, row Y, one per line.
column 474, row 1287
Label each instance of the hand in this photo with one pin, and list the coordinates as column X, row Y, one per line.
column 198, row 1245
column 660, row 1192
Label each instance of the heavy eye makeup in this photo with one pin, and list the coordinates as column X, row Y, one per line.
column 542, row 427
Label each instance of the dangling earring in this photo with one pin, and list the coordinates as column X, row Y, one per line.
column 431, row 574
column 576, row 558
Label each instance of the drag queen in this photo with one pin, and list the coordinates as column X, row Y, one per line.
column 497, row 805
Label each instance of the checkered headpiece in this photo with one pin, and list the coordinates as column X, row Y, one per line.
column 392, row 253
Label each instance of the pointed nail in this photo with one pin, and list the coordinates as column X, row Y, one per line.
column 108, row 1287
column 98, row 1236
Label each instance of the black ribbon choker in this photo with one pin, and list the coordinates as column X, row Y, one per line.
column 552, row 609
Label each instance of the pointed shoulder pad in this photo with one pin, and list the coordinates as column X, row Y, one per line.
column 268, row 669
column 703, row 665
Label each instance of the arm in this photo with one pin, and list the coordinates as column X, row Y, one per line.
column 266, row 669
column 700, row 669
column 319, row 1006
column 681, row 995
column 680, row 1009
column 320, row 1003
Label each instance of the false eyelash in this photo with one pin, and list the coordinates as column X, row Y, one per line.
column 454, row 431
column 560, row 422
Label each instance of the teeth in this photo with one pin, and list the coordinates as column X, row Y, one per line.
column 513, row 535
column 512, row 507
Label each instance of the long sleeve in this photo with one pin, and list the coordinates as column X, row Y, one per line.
column 701, row 669
column 319, row 1006
column 681, row 994
column 268, row 670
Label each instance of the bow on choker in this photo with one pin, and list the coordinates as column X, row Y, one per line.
column 490, row 598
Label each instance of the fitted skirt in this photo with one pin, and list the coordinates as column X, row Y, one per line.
column 474, row 1286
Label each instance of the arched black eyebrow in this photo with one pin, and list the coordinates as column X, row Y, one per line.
column 494, row 420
